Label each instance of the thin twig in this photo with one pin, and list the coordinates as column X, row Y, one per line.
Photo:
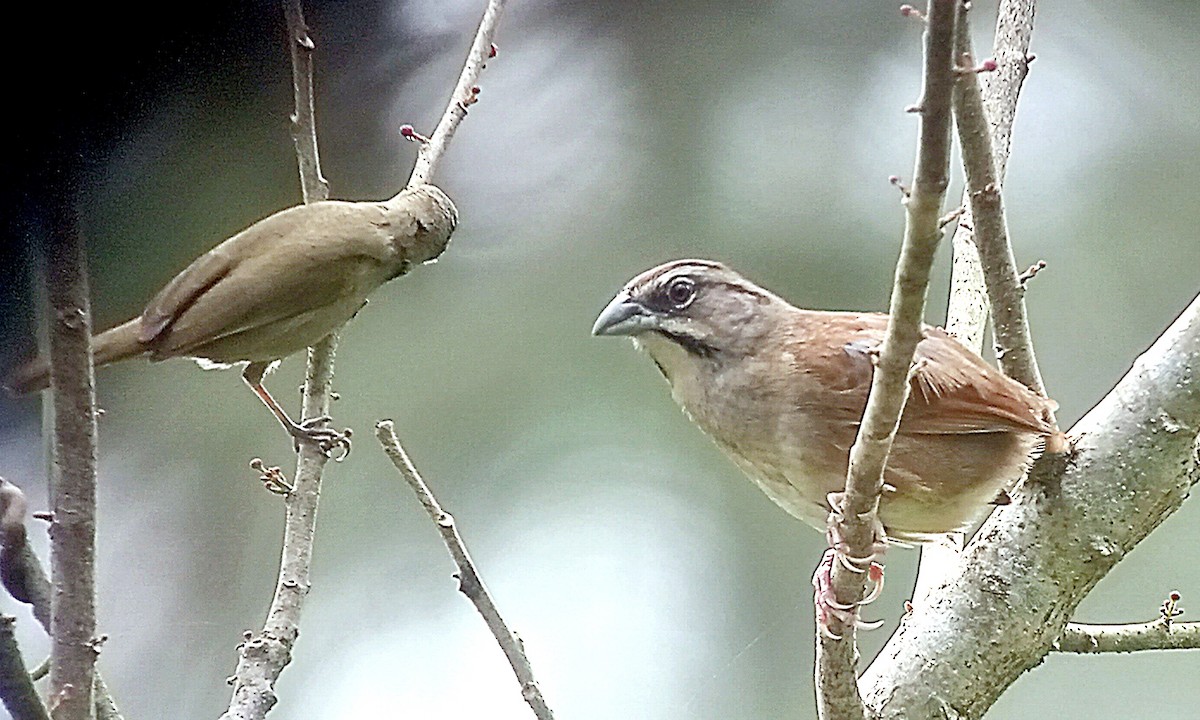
column 465, row 94
column 73, row 488
column 1133, row 637
column 1031, row 272
column 16, row 686
column 967, row 314
column 263, row 656
column 1161, row 634
column 1014, row 348
column 313, row 186
column 837, row 688
column 967, row 310
column 26, row 580
column 1002, row 88
column 469, row 581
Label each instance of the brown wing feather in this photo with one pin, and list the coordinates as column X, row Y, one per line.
column 956, row 391
column 953, row 389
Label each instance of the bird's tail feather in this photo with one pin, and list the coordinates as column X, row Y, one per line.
column 119, row 343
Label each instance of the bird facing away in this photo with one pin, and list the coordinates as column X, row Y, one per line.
column 275, row 288
column 782, row 392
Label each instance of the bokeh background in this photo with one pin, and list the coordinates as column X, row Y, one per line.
column 647, row 577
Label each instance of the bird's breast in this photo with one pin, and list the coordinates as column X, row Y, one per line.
column 791, row 454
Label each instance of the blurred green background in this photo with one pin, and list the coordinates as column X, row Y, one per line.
column 648, row 578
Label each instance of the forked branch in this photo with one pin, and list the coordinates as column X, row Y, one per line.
column 856, row 521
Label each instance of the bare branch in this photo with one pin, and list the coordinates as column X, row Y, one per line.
column 1161, row 634
column 465, row 94
column 1031, row 564
column 1009, row 323
column 1134, row 637
column 24, row 578
column 313, row 186
column 469, row 581
column 967, row 311
column 966, row 316
column 1002, row 88
column 263, row 656
column 856, row 523
column 73, row 489
column 16, row 686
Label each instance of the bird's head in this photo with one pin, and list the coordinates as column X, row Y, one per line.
column 687, row 310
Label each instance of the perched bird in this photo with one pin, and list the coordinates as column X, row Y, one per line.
column 782, row 391
column 275, row 288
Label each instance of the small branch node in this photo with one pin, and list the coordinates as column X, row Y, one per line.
column 272, row 478
column 899, row 185
column 409, row 133
column 97, row 644
column 1031, row 272
column 951, row 217
column 912, row 13
column 915, row 108
column 1170, row 608
column 968, row 68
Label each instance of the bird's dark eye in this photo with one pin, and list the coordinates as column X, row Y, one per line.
column 681, row 292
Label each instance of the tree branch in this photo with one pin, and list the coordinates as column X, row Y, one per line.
column 856, row 520
column 464, row 95
column 967, row 311
column 16, row 687
column 1034, row 560
column 263, row 656
column 966, row 316
column 1014, row 349
column 22, row 582
column 73, row 489
column 24, row 578
column 469, row 581
column 1160, row 634
column 313, row 186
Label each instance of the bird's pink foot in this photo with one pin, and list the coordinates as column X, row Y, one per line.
column 824, row 598
column 826, row 601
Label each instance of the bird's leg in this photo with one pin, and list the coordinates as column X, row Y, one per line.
column 325, row 439
column 833, row 535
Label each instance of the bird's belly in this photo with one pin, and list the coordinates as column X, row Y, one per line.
column 934, row 484
column 798, row 486
column 278, row 339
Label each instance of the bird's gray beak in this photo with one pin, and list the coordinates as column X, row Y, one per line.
column 623, row 316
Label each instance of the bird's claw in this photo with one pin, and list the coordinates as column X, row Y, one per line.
column 826, row 601
column 325, row 439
